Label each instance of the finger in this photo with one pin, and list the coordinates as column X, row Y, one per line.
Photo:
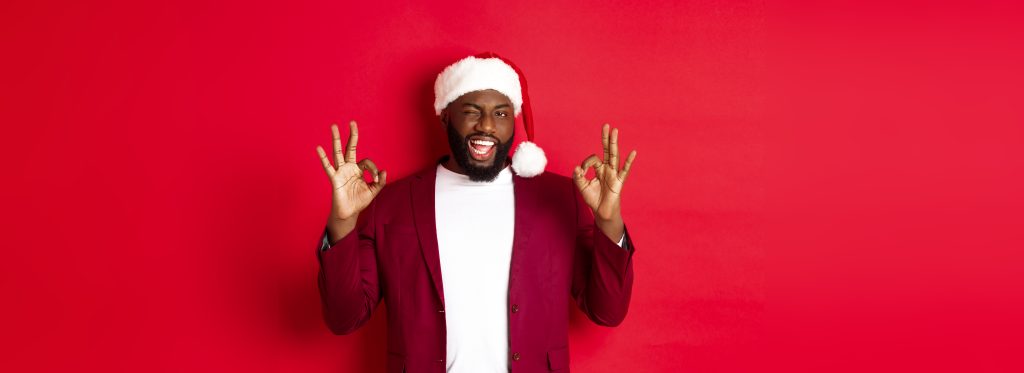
column 591, row 161
column 368, row 165
column 625, row 169
column 353, row 138
column 614, row 145
column 324, row 161
column 379, row 184
column 336, row 140
column 604, row 140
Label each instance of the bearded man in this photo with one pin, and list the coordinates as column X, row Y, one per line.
column 478, row 256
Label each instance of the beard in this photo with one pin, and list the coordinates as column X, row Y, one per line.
column 460, row 150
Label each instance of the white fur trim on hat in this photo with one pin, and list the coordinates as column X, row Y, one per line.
column 529, row 160
column 476, row 74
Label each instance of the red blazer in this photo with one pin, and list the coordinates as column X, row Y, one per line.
column 558, row 256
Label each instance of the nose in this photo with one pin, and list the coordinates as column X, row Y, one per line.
column 486, row 125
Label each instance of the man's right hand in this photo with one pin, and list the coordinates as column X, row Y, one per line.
column 351, row 192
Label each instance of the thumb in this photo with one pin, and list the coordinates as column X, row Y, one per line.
column 579, row 177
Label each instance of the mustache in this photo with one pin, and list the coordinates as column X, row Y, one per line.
column 481, row 134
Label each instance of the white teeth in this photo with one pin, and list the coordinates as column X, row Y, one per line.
column 488, row 144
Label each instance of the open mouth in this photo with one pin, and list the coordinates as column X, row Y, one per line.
column 481, row 148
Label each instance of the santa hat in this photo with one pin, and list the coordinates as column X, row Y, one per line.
column 490, row 71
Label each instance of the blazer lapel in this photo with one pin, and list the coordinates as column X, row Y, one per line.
column 426, row 225
column 522, row 231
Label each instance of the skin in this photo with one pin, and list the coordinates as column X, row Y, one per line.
column 488, row 113
column 351, row 192
column 603, row 193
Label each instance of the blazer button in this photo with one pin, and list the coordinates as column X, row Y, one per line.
column 441, row 311
column 515, row 308
column 515, row 356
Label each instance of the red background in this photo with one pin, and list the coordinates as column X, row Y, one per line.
column 162, row 195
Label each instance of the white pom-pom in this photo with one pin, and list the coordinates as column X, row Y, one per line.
column 529, row 160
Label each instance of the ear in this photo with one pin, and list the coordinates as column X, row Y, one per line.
column 444, row 117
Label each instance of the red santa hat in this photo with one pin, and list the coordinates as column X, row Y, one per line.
column 490, row 71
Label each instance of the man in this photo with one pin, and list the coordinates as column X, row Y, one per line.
column 477, row 257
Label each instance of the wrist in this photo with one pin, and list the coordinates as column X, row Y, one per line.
column 608, row 216
column 613, row 227
column 339, row 228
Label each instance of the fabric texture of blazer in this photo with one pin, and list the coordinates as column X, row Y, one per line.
column 558, row 256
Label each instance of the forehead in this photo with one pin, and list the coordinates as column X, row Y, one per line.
column 487, row 96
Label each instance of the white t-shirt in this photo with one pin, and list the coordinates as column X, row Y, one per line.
column 475, row 224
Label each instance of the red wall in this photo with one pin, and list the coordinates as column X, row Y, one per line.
column 163, row 198
column 173, row 197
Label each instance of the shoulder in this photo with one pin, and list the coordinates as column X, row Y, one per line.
column 549, row 199
column 395, row 190
column 549, row 187
column 547, row 179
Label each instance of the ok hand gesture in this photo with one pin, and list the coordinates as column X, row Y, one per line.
column 351, row 193
column 603, row 192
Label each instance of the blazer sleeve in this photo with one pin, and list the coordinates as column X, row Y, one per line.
column 602, row 281
column 349, row 286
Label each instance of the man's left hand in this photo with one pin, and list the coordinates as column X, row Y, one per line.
column 603, row 193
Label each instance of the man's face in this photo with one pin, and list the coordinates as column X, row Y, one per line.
column 481, row 127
